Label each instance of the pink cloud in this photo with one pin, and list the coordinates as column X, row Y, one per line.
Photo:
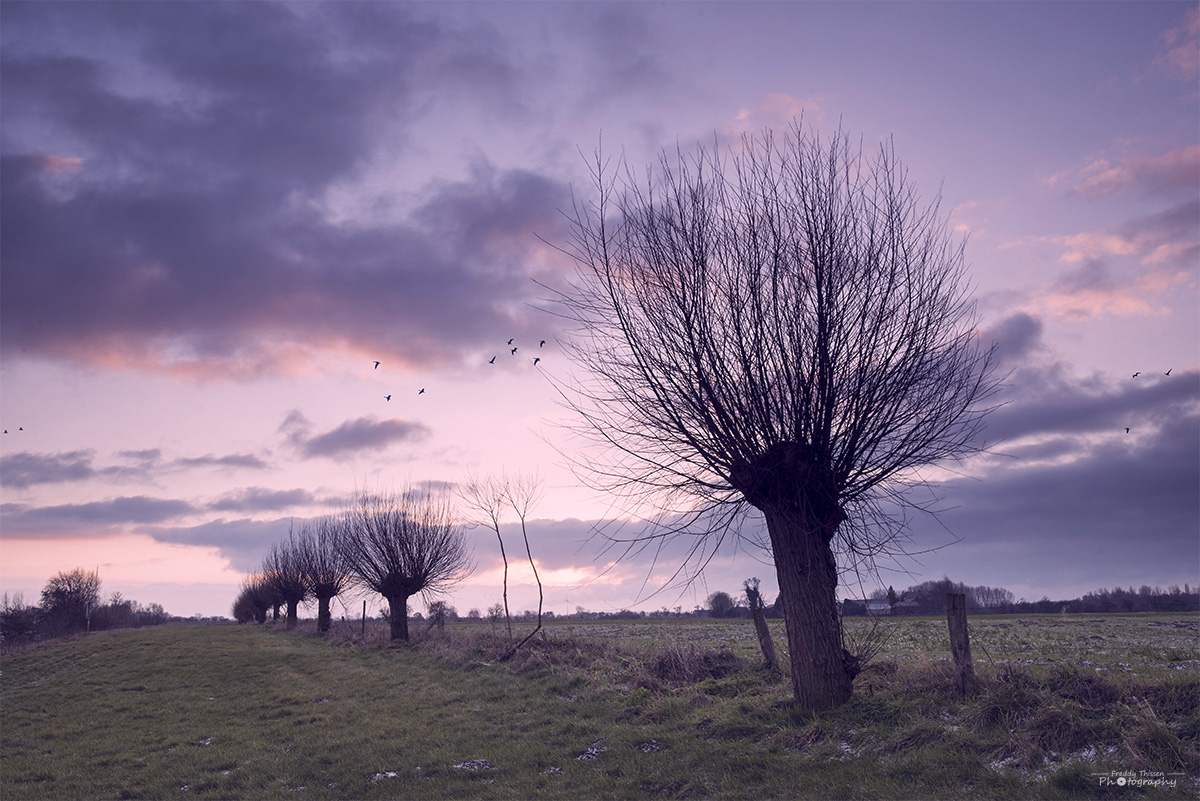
column 774, row 110
column 1181, row 47
column 1166, row 174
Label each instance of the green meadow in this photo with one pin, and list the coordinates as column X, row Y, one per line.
column 604, row 709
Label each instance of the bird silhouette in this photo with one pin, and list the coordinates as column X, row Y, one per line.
column 422, row 392
column 376, row 365
column 387, row 397
column 1139, row 372
column 492, row 360
column 6, row 431
column 542, row 344
column 510, row 341
column 514, row 351
column 20, row 428
column 1127, row 429
column 536, row 360
column 1169, row 371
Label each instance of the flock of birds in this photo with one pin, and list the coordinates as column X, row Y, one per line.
column 1139, row 372
column 512, row 352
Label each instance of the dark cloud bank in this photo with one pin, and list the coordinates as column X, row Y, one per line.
column 178, row 183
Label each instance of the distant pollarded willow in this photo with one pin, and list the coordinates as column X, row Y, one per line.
column 784, row 326
column 403, row 543
column 318, row 549
column 283, row 574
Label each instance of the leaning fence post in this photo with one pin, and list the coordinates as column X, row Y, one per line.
column 960, row 643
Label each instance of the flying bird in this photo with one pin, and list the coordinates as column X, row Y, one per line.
column 542, row 344
column 1127, row 429
column 536, row 360
column 514, row 351
column 1139, row 372
column 387, row 397
column 376, row 365
column 492, row 360
column 1169, row 371
column 422, row 392
column 510, row 341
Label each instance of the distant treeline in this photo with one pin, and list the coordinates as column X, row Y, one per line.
column 71, row 603
column 929, row 598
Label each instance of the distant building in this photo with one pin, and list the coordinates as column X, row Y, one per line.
column 879, row 608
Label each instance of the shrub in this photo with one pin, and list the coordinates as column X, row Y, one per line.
column 18, row 622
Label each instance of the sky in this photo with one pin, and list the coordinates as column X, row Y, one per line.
column 216, row 217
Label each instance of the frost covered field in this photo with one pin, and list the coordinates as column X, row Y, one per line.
column 1136, row 644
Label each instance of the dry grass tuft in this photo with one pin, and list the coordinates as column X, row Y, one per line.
column 1150, row 744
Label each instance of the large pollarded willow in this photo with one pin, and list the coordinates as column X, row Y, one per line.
column 784, row 326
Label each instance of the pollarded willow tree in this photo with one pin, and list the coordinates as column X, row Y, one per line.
column 784, row 326
column 318, row 551
column 400, row 544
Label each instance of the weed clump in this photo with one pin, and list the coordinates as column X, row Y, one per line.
column 1087, row 689
column 677, row 664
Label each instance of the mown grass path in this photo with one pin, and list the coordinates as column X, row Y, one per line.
column 240, row 712
column 247, row 712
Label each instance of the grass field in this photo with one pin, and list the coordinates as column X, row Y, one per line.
column 641, row 710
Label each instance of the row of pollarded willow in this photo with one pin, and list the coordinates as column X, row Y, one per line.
column 397, row 544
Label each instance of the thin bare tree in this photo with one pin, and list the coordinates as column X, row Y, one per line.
column 485, row 500
column 322, row 563
column 782, row 326
column 523, row 493
column 403, row 543
column 283, row 573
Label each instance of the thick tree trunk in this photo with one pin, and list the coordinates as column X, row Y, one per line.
column 398, row 616
column 323, row 616
column 291, row 615
column 807, row 572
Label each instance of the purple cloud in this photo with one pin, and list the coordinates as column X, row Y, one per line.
column 258, row 499
column 363, row 434
column 210, row 228
column 23, row 470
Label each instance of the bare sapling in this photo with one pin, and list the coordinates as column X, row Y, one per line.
column 523, row 493
column 485, row 499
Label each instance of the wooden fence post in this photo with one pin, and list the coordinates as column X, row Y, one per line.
column 364, row 622
column 960, row 643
